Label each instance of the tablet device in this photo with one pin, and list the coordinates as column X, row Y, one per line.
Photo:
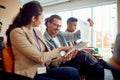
column 77, row 47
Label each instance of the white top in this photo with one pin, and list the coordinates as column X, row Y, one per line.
column 56, row 40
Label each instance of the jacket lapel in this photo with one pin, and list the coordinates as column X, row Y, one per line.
column 49, row 40
column 29, row 37
column 39, row 35
column 62, row 39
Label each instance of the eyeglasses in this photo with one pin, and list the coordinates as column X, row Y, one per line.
column 57, row 25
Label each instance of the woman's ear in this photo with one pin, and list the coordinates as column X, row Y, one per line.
column 33, row 19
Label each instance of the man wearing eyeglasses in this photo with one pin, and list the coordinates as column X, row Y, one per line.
column 85, row 63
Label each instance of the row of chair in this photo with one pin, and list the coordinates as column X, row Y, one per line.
column 8, row 66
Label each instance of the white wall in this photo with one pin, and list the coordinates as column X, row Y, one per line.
column 7, row 15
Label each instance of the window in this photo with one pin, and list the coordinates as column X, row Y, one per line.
column 104, row 31
column 105, row 27
column 84, row 13
column 65, row 15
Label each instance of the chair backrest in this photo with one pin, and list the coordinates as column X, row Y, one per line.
column 114, row 63
column 8, row 60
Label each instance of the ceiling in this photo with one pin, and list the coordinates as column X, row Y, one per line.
column 45, row 2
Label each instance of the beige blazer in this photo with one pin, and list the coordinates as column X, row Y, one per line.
column 27, row 56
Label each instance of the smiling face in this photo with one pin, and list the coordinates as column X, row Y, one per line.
column 54, row 27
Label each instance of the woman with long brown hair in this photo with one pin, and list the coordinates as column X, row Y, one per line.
column 31, row 55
